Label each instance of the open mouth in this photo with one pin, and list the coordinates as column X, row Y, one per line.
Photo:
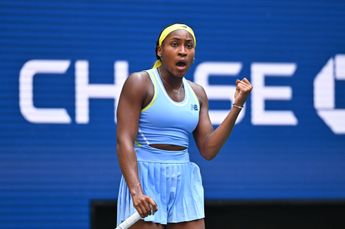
column 181, row 64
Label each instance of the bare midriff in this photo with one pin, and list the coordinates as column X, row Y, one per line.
column 168, row 147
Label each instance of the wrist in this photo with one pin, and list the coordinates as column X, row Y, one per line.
column 135, row 190
column 237, row 106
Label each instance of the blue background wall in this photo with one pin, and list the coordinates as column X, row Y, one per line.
column 50, row 172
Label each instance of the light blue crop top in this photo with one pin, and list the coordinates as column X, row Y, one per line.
column 164, row 121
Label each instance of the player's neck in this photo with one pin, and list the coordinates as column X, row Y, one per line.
column 169, row 80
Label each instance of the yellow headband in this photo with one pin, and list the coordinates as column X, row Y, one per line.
column 169, row 30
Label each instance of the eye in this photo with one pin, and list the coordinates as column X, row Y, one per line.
column 174, row 44
column 189, row 45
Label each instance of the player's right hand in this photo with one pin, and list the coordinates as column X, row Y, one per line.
column 144, row 205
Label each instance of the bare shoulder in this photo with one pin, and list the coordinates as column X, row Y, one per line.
column 139, row 78
column 198, row 90
column 137, row 82
column 138, row 88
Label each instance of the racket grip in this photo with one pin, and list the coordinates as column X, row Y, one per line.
column 129, row 221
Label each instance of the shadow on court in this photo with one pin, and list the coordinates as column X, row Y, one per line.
column 251, row 215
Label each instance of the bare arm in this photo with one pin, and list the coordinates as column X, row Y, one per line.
column 134, row 94
column 210, row 141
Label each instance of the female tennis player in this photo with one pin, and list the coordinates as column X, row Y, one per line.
column 157, row 112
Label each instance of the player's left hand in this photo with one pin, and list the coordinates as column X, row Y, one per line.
column 243, row 89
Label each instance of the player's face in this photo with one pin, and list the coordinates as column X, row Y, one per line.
column 177, row 52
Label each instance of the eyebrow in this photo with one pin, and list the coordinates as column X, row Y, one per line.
column 177, row 38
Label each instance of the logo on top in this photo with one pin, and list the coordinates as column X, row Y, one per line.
column 194, row 107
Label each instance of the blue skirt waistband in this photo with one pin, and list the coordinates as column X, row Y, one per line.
column 150, row 154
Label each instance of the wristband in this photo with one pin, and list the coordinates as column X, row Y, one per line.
column 237, row 106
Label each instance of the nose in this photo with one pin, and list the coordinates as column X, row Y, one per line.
column 182, row 51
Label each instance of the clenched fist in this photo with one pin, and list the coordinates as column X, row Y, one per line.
column 243, row 89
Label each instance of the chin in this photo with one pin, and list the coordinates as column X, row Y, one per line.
column 180, row 73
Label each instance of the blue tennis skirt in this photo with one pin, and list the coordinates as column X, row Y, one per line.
column 171, row 180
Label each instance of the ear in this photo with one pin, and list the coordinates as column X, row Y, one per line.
column 159, row 51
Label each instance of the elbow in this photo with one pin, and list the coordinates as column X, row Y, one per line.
column 209, row 152
column 124, row 145
column 120, row 146
column 208, row 149
column 208, row 156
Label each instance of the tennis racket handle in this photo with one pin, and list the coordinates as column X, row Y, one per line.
column 129, row 221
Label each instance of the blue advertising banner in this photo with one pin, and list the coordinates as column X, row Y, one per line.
column 63, row 64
